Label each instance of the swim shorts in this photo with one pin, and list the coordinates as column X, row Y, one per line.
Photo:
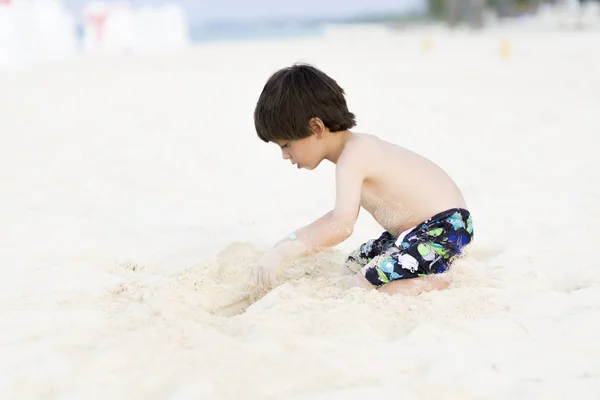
column 428, row 248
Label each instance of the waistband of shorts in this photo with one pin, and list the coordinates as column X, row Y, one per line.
column 446, row 213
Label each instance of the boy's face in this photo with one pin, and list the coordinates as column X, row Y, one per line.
column 305, row 153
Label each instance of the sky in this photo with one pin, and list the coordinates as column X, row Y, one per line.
column 210, row 10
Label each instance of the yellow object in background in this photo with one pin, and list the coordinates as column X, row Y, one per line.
column 505, row 49
column 427, row 44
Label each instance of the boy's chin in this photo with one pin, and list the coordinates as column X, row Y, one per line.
column 309, row 167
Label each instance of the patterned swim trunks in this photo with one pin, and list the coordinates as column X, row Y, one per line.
column 425, row 249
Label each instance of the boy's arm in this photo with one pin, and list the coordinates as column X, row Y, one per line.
column 337, row 225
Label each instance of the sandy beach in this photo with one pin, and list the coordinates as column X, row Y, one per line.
column 135, row 197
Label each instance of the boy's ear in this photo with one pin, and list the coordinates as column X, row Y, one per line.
column 317, row 127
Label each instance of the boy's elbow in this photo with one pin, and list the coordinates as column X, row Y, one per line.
column 348, row 230
column 343, row 234
column 343, row 228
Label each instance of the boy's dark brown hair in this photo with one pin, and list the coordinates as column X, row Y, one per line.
column 292, row 97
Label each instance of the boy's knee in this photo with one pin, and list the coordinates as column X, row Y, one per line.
column 360, row 281
column 415, row 286
column 405, row 286
column 349, row 268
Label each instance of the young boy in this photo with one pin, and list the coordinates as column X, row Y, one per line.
column 423, row 212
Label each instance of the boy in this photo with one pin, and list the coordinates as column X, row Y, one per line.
column 423, row 212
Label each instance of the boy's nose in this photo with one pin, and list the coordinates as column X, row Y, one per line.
column 285, row 154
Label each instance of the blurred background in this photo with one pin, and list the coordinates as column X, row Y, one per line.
column 36, row 30
column 129, row 158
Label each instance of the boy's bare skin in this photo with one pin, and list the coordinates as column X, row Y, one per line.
column 399, row 188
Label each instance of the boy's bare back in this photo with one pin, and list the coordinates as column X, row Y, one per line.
column 400, row 188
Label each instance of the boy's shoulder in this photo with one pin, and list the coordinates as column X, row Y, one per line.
column 356, row 158
column 359, row 149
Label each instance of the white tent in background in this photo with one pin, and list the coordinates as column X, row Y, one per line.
column 14, row 50
column 122, row 27
column 108, row 27
column 162, row 28
column 34, row 31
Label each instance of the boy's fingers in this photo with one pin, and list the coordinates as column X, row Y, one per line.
column 257, row 275
column 261, row 277
column 270, row 280
column 266, row 278
column 258, row 279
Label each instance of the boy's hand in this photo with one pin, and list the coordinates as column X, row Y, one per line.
column 267, row 270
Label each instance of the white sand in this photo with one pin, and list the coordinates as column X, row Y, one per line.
column 123, row 176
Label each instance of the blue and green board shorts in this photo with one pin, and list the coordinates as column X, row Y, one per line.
column 429, row 248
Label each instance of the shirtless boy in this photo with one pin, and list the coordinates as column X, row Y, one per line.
column 423, row 213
